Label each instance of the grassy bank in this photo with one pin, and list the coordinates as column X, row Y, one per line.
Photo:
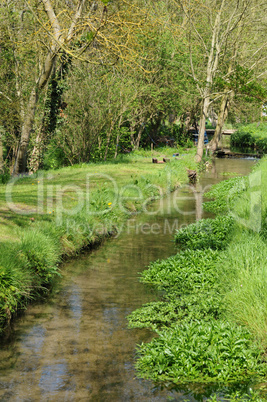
column 211, row 323
column 55, row 214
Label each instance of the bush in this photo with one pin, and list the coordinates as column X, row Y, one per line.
column 252, row 136
column 242, row 139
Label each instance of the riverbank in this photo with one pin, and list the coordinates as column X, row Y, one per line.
column 211, row 323
column 55, row 214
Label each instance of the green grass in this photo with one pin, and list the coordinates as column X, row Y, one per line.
column 244, row 276
column 56, row 213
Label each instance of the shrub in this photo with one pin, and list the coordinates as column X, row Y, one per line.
column 251, row 136
column 244, row 139
column 4, row 175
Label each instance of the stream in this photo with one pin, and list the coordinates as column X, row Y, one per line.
column 76, row 346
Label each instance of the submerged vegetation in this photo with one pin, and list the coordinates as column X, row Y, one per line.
column 211, row 324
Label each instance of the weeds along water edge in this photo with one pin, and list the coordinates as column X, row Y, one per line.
column 211, row 321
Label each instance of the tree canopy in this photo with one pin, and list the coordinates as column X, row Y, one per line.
column 82, row 80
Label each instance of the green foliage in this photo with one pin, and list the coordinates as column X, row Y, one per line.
column 206, row 233
column 188, row 281
column 4, row 176
column 201, row 352
column 251, row 136
column 54, row 157
column 186, row 272
column 190, row 307
column 225, row 195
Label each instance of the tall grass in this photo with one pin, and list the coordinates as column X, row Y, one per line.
column 244, row 269
column 244, row 278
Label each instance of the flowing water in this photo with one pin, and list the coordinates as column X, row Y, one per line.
column 76, row 346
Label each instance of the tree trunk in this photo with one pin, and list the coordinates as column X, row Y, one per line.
column 37, row 152
column 216, row 141
column 1, row 155
column 108, row 139
column 212, row 65
column 118, row 137
column 138, row 138
column 132, row 131
column 21, row 160
column 201, row 133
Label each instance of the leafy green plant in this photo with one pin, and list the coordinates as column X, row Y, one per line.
column 186, row 308
column 251, row 136
column 225, row 195
column 201, row 352
column 206, row 233
column 186, row 272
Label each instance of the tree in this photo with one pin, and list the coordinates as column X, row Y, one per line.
column 211, row 28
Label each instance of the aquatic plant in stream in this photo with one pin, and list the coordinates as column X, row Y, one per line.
column 213, row 351
column 189, row 283
column 225, row 194
column 206, row 233
column 186, row 272
column 192, row 307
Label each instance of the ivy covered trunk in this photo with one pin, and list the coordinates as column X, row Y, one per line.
column 1, row 155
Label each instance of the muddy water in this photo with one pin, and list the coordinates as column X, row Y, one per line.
column 77, row 346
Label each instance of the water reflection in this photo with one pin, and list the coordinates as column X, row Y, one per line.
column 78, row 347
